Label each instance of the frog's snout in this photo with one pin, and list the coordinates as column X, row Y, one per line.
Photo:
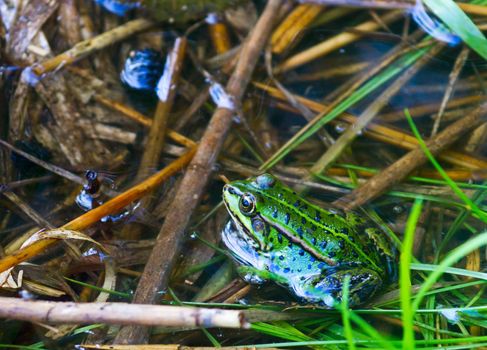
column 230, row 190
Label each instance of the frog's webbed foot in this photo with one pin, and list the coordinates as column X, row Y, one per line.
column 327, row 289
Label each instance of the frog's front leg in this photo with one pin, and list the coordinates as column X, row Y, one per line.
column 256, row 276
column 327, row 289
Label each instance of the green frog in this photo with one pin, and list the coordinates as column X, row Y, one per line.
column 276, row 235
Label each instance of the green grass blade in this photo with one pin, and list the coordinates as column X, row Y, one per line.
column 371, row 331
column 347, row 326
column 470, row 204
column 455, row 19
column 455, row 255
column 405, row 276
column 109, row 291
column 451, row 270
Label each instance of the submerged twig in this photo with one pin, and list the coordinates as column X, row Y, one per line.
column 142, row 119
column 335, row 43
column 384, row 133
column 370, row 112
column 110, row 207
column 452, row 79
column 401, row 168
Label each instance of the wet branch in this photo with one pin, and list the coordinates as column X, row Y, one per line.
column 89, row 218
column 119, row 313
column 415, row 158
column 171, row 236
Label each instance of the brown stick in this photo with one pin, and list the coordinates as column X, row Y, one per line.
column 335, row 43
column 111, row 207
column 402, row 167
column 119, row 313
column 168, row 243
column 86, row 47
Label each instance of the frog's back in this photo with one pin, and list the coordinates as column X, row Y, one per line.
column 335, row 237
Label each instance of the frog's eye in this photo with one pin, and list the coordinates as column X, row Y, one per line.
column 247, row 204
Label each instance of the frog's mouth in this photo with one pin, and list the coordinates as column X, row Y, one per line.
column 241, row 247
column 231, row 196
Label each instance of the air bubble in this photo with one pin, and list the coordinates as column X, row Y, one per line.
column 397, row 209
column 340, row 127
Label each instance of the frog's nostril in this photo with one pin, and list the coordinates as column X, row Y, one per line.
column 229, row 189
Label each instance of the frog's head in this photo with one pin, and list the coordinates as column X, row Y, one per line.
column 244, row 204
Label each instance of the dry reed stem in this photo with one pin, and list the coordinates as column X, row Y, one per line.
column 431, row 108
column 220, row 37
column 456, row 175
column 142, row 119
column 396, row 4
column 452, row 79
column 89, row 46
column 400, row 169
column 473, row 9
column 335, row 43
column 51, row 167
column 388, row 4
column 292, row 26
column 383, row 133
column 111, row 207
column 119, row 313
column 171, row 235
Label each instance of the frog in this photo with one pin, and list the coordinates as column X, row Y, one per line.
column 276, row 235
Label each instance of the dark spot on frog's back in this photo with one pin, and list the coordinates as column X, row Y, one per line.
column 287, row 217
column 300, row 232
column 275, row 213
column 318, row 216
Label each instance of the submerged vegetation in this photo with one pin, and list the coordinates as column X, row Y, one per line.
column 111, row 189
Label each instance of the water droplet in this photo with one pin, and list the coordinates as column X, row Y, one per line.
column 397, row 209
column 340, row 127
column 193, row 236
column 26, row 295
column 243, row 301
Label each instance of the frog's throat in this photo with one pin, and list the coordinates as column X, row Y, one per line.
column 302, row 243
